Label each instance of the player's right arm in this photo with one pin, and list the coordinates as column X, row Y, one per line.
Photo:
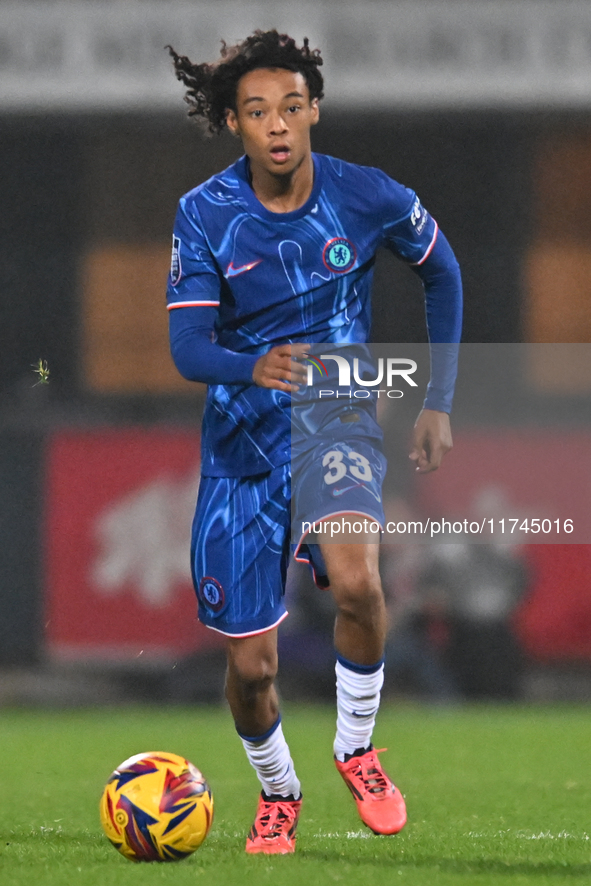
column 193, row 299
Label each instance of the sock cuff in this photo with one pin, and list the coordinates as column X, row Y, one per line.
column 264, row 736
column 359, row 668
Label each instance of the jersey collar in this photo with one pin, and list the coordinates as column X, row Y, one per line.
column 257, row 208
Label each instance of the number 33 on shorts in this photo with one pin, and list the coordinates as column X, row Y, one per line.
column 358, row 466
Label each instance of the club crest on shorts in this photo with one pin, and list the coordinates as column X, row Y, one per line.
column 176, row 270
column 339, row 255
column 211, row 593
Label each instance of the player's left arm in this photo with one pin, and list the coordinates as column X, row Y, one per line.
column 441, row 278
column 410, row 232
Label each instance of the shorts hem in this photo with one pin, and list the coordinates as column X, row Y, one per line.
column 321, row 581
column 252, row 633
column 371, row 517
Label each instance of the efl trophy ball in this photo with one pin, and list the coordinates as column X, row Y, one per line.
column 156, row 807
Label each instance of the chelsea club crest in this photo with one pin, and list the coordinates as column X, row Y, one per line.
column 339, row 255
column 211, row 594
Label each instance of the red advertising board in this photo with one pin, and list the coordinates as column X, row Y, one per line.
column 524, row 474
column 119, row 506
column 118, row 512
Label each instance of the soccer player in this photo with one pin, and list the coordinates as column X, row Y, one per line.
column 268, row 256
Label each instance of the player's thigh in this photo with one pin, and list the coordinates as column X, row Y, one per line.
column 253, row 659
column 353, row 570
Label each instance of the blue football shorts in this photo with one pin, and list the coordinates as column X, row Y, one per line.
column 242, row 532
column 334, row 479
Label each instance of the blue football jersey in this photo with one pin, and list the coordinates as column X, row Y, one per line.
column 302, row 276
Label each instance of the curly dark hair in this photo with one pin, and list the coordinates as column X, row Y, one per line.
column 212, row 87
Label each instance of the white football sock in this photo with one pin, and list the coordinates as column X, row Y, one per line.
column 270, row 758
column 358, row 700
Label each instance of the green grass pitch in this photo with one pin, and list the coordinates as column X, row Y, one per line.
column 496, row 795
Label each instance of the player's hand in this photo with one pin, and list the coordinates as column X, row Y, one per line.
column 431, row 439
column 279, row 368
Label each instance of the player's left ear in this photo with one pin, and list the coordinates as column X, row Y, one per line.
column 315, row 112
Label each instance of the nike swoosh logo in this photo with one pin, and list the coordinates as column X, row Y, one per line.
column 233, row 272
column 336, row 492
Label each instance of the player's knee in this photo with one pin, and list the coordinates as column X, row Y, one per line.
column 359, row 595
column 254, row 673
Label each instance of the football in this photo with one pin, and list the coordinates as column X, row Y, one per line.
column 156, row 807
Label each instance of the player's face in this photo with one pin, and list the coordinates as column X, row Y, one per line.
column 273, row 118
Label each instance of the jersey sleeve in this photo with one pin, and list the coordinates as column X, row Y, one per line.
column 442, row 281
column 194, row 280
column 407, row 228
column 193, row 298
column 411, row 233
column 196, row 354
